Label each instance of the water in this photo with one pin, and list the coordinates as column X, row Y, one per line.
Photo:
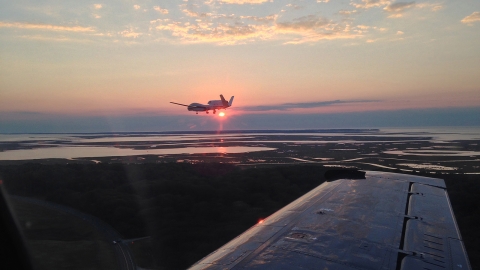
column 105, row 138
column 70, row 146
column 440, row 133
column 425, row 153
column 89, row 151
column 428, row 166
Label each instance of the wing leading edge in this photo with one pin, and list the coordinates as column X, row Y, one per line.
column 385, row 221
column 179, row 104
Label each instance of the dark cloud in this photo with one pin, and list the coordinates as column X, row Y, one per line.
column 371, row 3
column 310, row 22
column 304, row 105
column 399, row 7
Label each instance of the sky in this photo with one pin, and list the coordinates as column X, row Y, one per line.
column 96, row 66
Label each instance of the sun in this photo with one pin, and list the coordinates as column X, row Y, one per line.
column 221, row 114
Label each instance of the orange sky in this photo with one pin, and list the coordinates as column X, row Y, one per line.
column 101, row 58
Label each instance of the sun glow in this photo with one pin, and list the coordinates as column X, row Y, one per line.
column 221, row 114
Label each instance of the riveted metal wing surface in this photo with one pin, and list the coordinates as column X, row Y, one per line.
column 385, row 221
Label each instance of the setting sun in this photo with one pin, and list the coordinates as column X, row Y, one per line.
column 221, row 114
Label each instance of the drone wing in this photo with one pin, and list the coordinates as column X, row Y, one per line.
column 179, row 104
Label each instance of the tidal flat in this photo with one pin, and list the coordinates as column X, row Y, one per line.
column 431, row 150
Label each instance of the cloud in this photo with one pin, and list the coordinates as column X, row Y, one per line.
column 242, row 2
column 191, row 13
column 222, row 29
column 312, row 28
column 399, row 7
column 400, row 33
column 433, row 7
column 366, row 4
column 293, row 6
column 136, row 7
column 470, row 19
column 266, row 19
column 222, row 33
column 305, row 23
column 48, row 27
column 381, row 29
column 161, row 10
column 230, row 29
column 397, row 15
column 347, row 12
column 304, row 105
column 95, row 14
column 130, row 33
column 55, row 39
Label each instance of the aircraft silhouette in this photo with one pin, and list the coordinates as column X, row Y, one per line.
column 211, row 105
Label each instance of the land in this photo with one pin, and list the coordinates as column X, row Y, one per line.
column 189, row 210
column 190, row 204
column 366, row 149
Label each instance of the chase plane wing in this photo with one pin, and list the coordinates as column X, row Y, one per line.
column 384, row 221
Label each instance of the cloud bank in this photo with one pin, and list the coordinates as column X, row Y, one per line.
column 434, row 117
column 301, row 105
column 48, row 27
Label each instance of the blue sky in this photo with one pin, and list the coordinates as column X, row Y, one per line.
column 300, row 60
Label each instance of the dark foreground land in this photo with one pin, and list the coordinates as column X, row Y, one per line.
column 188, row 210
